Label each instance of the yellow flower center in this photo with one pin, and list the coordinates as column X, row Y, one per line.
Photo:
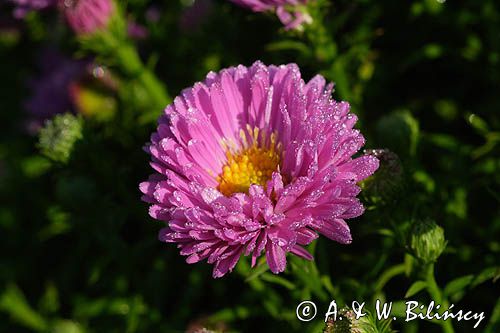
column 252, row 165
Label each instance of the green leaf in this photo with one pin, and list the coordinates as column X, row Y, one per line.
column 415, row 288
column 49, row 303
column 399, row 309
column 458, row 284
column 307, row 273
column 327, row 283
column 289, row 45
column 230, row 314
column 494, row 319
column 386, row 232
column 338, row 73
column 389, row 274
column 445, row 141
column 455, row 289
column 14, row 303
column 66, row 326
column 258, row 271
column 408, row 263
column 278, row 280
column 35, row 166
column 479, row 124
column 485, row 275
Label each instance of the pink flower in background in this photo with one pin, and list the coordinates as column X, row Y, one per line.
column 255, row 160
column 87, row 16
column 286, row 10
column 22, row 7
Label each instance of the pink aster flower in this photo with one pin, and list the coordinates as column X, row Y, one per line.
column 255, row 160
column 87, row 16
column 288, row 11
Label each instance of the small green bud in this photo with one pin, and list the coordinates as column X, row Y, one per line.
column 59, row 135
column 427, row 241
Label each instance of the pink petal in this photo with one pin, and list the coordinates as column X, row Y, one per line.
column 276, row 258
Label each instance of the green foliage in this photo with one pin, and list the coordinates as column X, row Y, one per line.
column 13, row 302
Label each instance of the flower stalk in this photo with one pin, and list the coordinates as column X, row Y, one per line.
column 131, row 64
column 316, row 33
column 437, row 295
column 114, row 48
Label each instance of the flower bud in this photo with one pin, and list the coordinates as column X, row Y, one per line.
column 59, row 135
column 87, row 16
column 387, row 182
column 427, row 241
column 292, row 13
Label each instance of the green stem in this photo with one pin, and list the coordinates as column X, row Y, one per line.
column 156, row 89
column 131, row 64
column 114, row 48
column 325, row 51
column 437, row 295
column 325, row 48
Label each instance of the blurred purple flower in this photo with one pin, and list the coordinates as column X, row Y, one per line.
column 87, row 16
column 153, row 14
column 51, row 89
column 255, row 160
column 22, row 7
column 195, row 15
column 288, row 11
column 136, row 30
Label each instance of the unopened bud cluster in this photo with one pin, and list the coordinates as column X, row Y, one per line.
column 59, row 135
column 427, row 241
